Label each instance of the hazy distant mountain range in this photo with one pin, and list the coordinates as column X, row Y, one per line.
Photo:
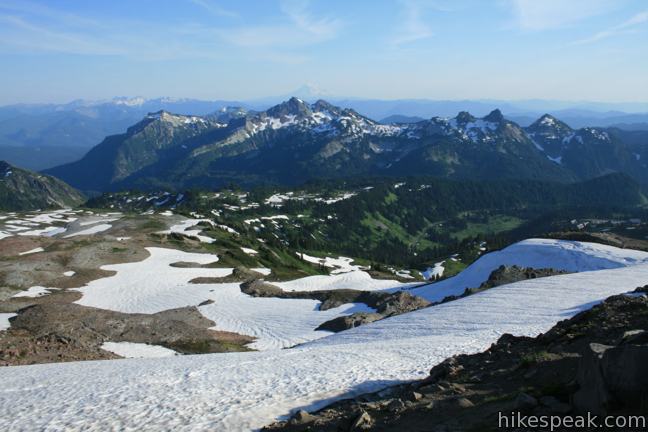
column 42, row 136
column 296, row 141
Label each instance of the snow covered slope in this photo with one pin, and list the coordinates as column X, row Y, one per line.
column 537, row 253
column 242, row 391
column 154, row 285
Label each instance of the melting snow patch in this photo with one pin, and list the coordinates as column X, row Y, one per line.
column 31, row 251
column 434, row 272
column 35, row 291
column 69, row 273
column 263, row 270
column 249, row 251
column 4, row 320
column 183, row 228
column 137, row 350
column 89, row 231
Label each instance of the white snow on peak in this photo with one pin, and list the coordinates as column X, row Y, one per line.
column 547, row 121
column 130, row 102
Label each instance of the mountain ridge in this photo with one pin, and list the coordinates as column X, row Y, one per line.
column 26, row 190
column 295, row 141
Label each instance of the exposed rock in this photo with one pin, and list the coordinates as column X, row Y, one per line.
column 400, row 302
column 184, row 330
column 302, row 417
column 260, row 288
column 346, row 322
column 510, row 274
column 464, row 403
column 524, row 402
column 363, row 422
column 610, row 375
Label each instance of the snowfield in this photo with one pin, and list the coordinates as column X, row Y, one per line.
column 537, row 253
column 244, row 391
column 152, row 285
column 276, row 323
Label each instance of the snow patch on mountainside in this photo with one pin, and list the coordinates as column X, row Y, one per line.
column 537, row 253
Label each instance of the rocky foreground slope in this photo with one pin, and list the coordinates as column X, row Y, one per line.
column 595, row 362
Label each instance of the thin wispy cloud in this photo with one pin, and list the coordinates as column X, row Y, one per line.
column 301, row 28
column 413, row 27
column 536, row 15
column 214, row 8
column 626, row 26
column 323, row 27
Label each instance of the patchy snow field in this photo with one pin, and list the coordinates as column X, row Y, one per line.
column 153, row 285
column 339, row 265
column 56, row 222
column 184, row 228
column 243, row 391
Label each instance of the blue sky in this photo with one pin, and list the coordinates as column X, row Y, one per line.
column 59, row 50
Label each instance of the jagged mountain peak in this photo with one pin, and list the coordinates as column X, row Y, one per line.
column 4, row 166
column 548, row 122
column 495, row 116
column 465, row 117
column 322, row 105
column 293, row 106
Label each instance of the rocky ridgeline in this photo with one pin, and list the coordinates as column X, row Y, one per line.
column 595, row 362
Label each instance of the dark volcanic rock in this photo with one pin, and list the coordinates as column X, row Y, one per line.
column 346, row 322
column 510, row 274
